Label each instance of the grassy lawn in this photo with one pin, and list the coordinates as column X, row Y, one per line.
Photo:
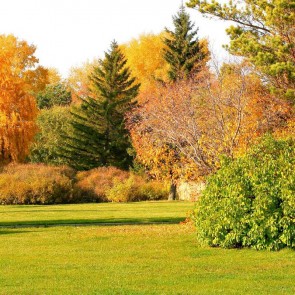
column 141, row 212
column 130, row 259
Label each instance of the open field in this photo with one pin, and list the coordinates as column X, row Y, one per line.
column 130, row 259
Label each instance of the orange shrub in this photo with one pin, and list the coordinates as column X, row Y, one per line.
column 36, row 184
column 41, row 184
column 96, row 182
column 137, row 188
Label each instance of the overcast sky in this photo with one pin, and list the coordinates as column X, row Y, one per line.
column 70, row 32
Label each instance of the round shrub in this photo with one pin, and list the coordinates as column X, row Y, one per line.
column 137, row 188
column 36, row 184
column 250, row 201
column 96, row 182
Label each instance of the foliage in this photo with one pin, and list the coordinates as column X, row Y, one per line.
column 98, row 181
column 79, row 82
column 36, row 184
column 53, row 95
column 41, row 184
column 52, row 125
column 136, row 188
column 264, row 34
column 18, row 110
column 99, row 136
column 145, row 60
column 183, row 52
column 54, row 76
column 114, row 185
column 250, row 201
column 183, row 128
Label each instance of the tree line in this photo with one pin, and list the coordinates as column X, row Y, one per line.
column 155, row 100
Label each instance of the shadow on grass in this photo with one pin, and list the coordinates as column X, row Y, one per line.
column 97, row 222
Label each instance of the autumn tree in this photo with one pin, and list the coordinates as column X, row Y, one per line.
column 54, row 76
column 99, row 136
column 145, row 60
column 18, row 109
column 185, row 56
column 184, row 53
column 264, row 34
column 208, row 116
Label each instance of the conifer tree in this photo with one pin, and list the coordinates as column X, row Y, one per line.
column 263, row 33
column 184, row 52
column 99, row 136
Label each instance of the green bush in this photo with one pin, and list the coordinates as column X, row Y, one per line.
column 250, row 201
column 137, row 188
column 36, row 184
column 52, row 125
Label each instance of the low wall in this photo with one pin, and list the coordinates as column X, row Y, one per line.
column 190, row 191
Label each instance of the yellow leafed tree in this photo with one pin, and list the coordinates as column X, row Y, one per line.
column 18, row 109
column 145, row 59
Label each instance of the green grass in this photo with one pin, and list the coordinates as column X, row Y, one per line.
column 123, row 213
column 130, row 259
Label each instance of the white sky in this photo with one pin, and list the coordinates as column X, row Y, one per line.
column 70, row 32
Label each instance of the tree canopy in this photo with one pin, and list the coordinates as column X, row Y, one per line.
column 18, row 109
column 264, row 34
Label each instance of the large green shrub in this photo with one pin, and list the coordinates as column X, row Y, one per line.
column 250, row 201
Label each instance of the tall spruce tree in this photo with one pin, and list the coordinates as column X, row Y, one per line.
column 98, row 136
column 184, row 52
column 186, row 56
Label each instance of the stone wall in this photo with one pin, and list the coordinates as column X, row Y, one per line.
column 189, row 191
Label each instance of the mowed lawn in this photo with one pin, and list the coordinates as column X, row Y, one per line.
column 130, row 259
column 137, row 212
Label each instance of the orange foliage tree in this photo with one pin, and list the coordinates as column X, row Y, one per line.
column 204, row 118
column 18, row 109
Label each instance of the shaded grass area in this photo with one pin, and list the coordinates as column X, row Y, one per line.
column 150, row 259
column 102, row 213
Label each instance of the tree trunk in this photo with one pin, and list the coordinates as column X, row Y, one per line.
column 172, row 192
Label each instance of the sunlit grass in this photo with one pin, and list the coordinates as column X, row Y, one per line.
column 134, row 259
column 128, row 259
column 141, row 212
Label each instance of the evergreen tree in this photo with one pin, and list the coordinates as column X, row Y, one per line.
column 99, row 136
column 184, row 52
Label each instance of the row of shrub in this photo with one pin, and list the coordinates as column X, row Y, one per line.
column 41, row 184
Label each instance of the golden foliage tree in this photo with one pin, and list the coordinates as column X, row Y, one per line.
column 145, row 60
column 18, row 109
